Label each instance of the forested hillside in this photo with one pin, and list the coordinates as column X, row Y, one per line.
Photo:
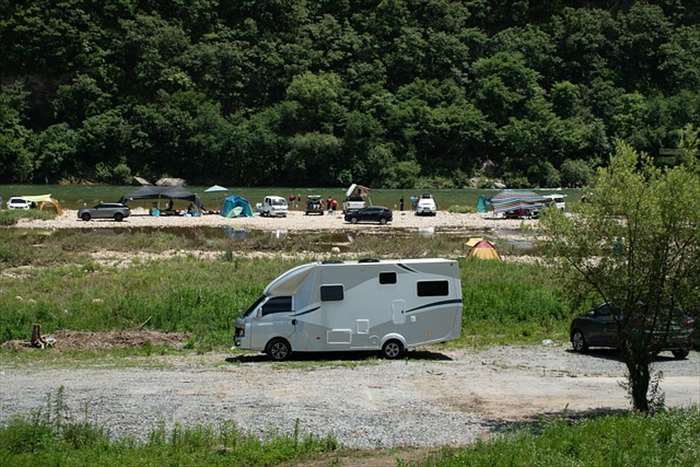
column 388, row 93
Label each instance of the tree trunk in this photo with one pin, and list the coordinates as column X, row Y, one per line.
column 639, row 379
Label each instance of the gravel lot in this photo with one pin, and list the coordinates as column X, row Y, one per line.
column 294, row 222
column 429, row 399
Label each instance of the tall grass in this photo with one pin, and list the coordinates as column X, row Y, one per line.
column 666, row 439
column 502, row 302
column 51, row 437
column 11, row 217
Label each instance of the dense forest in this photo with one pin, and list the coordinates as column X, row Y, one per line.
column 392, row 93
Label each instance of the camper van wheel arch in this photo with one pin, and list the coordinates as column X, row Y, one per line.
column 392, row 349
column 278, row 349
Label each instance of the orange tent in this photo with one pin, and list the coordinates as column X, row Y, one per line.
column 484, row 250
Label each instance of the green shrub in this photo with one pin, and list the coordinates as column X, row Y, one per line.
column 575, row 173
column 460, row 209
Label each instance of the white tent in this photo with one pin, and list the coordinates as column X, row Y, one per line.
column 215, row 189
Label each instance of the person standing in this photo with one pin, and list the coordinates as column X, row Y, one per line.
column 401, row 203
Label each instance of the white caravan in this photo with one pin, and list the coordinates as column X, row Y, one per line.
column 274, row 206
column 391, row 305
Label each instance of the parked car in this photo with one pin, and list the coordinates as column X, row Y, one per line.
column 18, row 203
column 598, row 328
column 353, row 203
column 116, row 211
column 370, row 214
column 314, row 205
column 274, row 206
column 426, row 205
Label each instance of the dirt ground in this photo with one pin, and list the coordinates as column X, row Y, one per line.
column 296, row 221
column 66, row 340
column 432, row 398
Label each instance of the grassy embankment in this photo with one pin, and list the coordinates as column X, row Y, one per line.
column 50, row 438
column 62, row 287
column 665, row 439
column 11, row 217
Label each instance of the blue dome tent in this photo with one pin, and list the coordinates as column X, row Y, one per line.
column 236, row 206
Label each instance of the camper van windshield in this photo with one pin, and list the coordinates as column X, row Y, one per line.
column 253, row 306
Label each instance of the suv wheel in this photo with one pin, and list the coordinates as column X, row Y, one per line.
column 382, row 221
column 118, row 217
column 278, row 349
column 680, row 354
column 86, row 216
column 353, row 220
column 578, row 341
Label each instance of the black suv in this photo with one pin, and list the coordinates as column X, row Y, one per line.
column 598, row 328
column 370, row 214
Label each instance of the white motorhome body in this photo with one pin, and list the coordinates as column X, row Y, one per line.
column 359, row 305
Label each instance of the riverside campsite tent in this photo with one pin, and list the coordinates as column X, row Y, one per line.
column 236, row 206
column 510, row 201
column 482, row 204
column 44, row 202
column 163, row 192
column 483, row 249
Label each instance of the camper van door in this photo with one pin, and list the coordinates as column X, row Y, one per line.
column 273, row 320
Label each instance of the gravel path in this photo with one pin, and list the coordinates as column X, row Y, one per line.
column 296, row 221
column 429, row 399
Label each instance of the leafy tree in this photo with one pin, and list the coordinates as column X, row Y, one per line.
column 634, row 244
column 575, row 173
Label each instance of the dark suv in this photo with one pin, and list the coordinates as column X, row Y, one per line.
column 598, row 328
column 370, row 214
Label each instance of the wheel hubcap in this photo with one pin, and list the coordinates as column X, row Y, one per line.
column 578, row 341
column 279, row 350
column 392, row 350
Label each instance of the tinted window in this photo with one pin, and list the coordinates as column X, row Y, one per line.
column 387, row 278
column 277, row 305
column 331, row 293
column 433, row 288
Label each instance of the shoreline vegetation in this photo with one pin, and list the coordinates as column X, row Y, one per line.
column 56, row 434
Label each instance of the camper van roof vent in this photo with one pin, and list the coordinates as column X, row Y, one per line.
column 332, row 261
column 368, row 260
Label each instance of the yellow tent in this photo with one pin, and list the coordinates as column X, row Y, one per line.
column 484, row 250
column 45, row 202
column 473, row 241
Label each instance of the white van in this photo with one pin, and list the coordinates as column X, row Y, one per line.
column 426, row 205
column 18, row 203
column 274, row 206
column 557, row 200
column 389, row 305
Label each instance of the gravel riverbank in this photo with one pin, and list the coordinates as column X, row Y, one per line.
column 428, row 399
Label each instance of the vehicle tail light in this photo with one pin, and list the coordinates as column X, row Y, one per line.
column 688, row 322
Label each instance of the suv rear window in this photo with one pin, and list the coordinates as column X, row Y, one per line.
column 432, row 288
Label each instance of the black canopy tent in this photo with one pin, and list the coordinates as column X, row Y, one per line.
column 162, row 192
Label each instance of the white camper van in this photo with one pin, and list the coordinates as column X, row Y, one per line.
column 274, row 206
column 391, row 305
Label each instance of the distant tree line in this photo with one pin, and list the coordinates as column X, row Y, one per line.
column 392, row 93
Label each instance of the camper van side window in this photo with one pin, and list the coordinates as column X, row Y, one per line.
column 331, row 293
column 387, row 278
column 277, row 305
column 433, row 288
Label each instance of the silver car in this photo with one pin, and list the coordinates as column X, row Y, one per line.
column 116, row 211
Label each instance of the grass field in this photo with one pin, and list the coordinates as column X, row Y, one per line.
column 60, row 286
column 666, row 439
column 75, row 196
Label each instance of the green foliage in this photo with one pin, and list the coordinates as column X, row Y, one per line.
column 670, row 438
column 576, row 173
column 11, row 217
column 635, row 244
column 243, row 93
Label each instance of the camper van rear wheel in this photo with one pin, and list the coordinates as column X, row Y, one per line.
column 392, row 349
column 278, row 349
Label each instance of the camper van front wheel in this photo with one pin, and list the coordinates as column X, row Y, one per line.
column 278, row 349
column 392, row 349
